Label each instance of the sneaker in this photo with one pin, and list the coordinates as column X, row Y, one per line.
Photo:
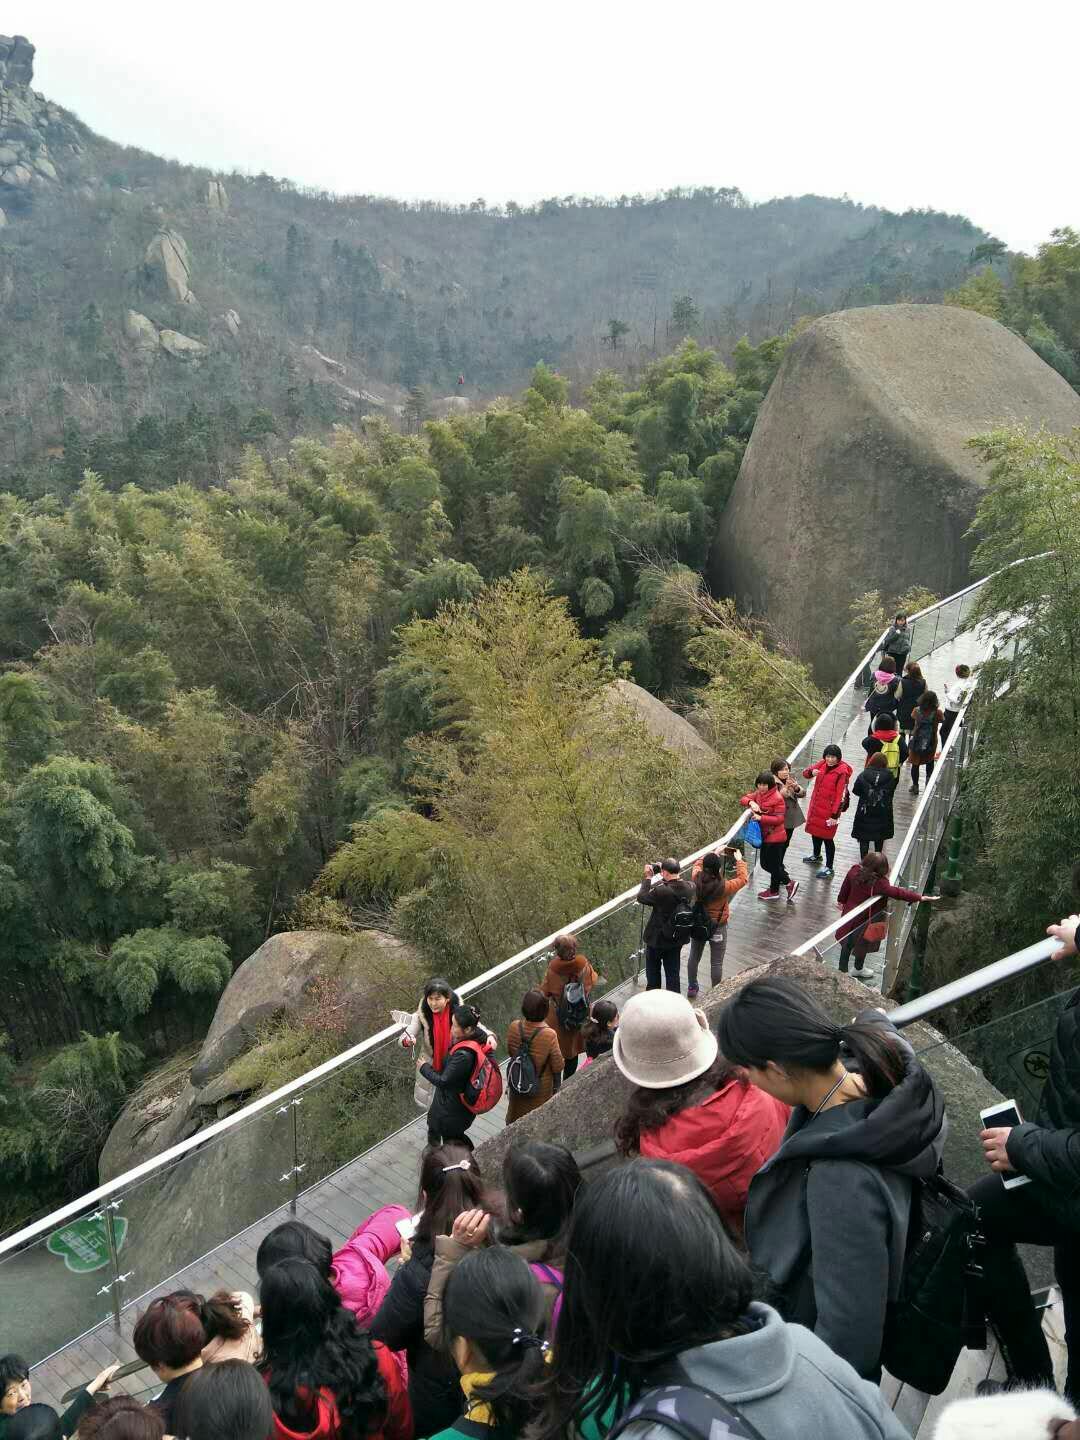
column 825, row 873
column 768, row 895
column 866, row 973
column 792, row 890
column 692, row 992
column 811, row 859
column 914, row 789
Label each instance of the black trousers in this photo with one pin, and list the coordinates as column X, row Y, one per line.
column 570, row 1066
column 435, row 1139
column 864, row 847
column 666, row 954
column 830, row 849
column 772, row 860
column 947, row 724
column 1009, row 1218
column 916, row 766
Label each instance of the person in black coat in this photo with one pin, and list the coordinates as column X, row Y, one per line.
column 873, row 823
column 912, row 687
column 1046, row 1212
column 450, row 1183
column 664, row 895
column 449, row 1118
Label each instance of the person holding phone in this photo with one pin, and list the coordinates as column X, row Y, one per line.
column 1045, row 1212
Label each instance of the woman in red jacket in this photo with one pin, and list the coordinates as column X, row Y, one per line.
column 328, row 1379
column 689, row 1105
column 869, row 877
column 831, row 776
column 767, row 806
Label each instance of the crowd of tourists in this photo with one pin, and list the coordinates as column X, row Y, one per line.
column 736, row 1271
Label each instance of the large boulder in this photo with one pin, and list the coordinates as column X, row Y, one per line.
column 858, row 474
column 217, row 197
column 668, row 726
column 181, row 347
column 16, row 60
column 335, row 989
column 168, row 261
column 141, row 333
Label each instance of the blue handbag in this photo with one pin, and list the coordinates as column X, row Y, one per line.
column 752, row 832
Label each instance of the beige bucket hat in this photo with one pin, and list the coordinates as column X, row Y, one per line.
column 662, row 1040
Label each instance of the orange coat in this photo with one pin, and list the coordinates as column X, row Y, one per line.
column 546, row 1056
column 558, row 973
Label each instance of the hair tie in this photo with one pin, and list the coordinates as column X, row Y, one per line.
column 529, row 1339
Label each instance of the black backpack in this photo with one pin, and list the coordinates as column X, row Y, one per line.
column 703, row 928
column 876, row 798
column 922, row 740
column 522, row 1076
column 572, row 1006
column 688, row 1410
column 940, row 1308
column 679, row 926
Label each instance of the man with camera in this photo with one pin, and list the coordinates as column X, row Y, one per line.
column 668, row 896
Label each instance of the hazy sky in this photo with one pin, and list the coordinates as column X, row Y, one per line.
column 963, row 107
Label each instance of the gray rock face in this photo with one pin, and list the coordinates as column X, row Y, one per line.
column 217, row 197
column 675, row 732
column 858, row 471
column 584, row 1112
column 16, row 60
column 181, row 347
column 167, row 258
column 229, row 1182
column 140, row 332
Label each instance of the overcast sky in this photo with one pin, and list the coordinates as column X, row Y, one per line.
column 959, row 106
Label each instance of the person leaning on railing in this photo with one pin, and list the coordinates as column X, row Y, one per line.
column 1046, row 1212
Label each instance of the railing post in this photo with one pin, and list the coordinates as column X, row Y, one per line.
column 297, row 1169
column 113, row 1288
column 922, row 930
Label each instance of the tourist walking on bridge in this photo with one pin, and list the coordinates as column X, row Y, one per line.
column 664, row 895
column 828, row 799
column 897, row 643
column 873, row 790
column 869, row 877
column 568, row 983
column 714, row 890
column 766, row 805
column 926, row 720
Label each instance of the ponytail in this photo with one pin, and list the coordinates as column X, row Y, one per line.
column 222, row 1318
column 775, row 1019
column 494, row 1301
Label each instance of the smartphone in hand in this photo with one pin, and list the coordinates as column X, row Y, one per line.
column 1007, row 1116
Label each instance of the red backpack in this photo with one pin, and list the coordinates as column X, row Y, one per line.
column 485, row 1088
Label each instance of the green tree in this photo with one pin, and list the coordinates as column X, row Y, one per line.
column 684, row 315
column 615, row 332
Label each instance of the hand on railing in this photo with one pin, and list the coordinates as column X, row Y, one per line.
column 1065, row 931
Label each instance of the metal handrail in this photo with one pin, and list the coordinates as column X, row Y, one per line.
column 247, row 1113
column 979, row 980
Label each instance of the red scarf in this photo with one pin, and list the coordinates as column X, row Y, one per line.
column 440, row 1036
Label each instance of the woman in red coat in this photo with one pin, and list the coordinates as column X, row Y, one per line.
column 869, row 877
column 831, row 776
column 689, row 1105
column 767, row 805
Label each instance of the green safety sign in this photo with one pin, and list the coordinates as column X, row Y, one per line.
column 84, row 1244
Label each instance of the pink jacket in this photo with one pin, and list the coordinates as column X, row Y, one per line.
column 358, row 1272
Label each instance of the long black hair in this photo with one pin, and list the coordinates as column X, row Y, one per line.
column 777, row 1020
column 290, row 1240
column 436, row 986
column 310, row 1340
column 229, row 1398
column 646, row 1241
column 447, row 1189
column 650, row 1109
column 494, row 1301
column 541, row 1182
column 598, row 1032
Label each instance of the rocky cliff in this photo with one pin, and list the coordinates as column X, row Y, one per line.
column 38, row 140
column 858, row 474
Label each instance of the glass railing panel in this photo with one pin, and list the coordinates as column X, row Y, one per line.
column 352, row 1109
column 1013, row 1050
column 56, row 1288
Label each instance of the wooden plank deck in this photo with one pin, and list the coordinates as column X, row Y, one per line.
column 387, row 1173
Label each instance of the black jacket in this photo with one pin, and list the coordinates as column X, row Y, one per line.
column 434, row 1389
column 874, row 813
column 910, row 690
column 827, row 1216
column 665, row 897
column 1049, row 1150
column 882, row 700
column 448, row 1116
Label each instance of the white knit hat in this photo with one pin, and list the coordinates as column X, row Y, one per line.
column 1012, row 1415
column 663, row 1040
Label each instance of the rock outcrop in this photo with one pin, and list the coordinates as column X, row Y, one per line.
column 217, row 197
column 181, row 347
column 349, row 982
column 36, row 137
column 859, row 472
column 670, row 728
column 168, row 262
column 141, row 333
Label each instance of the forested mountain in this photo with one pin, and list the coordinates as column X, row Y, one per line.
column 117, row 268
